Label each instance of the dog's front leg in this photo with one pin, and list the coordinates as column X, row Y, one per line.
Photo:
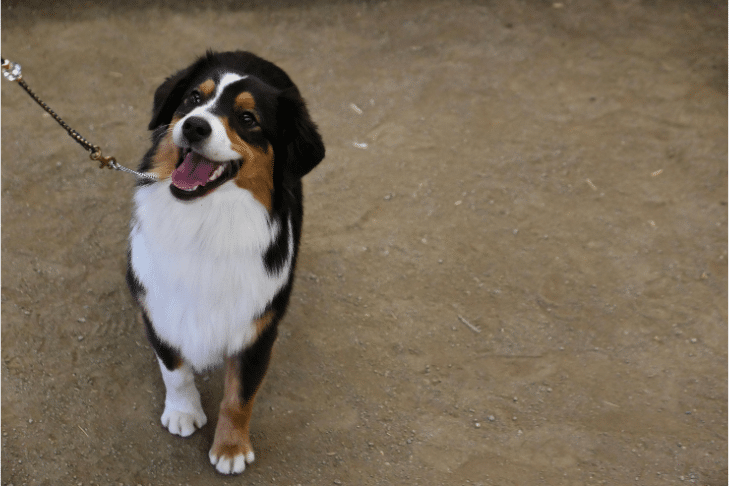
column 232, row 449
column 183, row 412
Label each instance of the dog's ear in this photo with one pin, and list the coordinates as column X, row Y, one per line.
column 304, row 146
column 168, row 97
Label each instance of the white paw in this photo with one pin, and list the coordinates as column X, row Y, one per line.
column 183, row 413
column 231, row 465
column 182, row 423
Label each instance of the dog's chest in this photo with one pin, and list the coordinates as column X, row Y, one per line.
column 201, row 264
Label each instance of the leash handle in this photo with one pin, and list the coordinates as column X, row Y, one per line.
column 13, row 72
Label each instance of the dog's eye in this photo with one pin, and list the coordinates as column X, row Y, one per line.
column 194, row 98
column 247, row 120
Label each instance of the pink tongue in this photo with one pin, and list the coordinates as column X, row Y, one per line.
column 195, row 170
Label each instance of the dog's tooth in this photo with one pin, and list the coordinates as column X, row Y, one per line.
column 218, row 172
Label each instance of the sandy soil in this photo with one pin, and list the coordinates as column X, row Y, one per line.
column 514, row 266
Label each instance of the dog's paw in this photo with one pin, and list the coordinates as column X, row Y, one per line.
column 183, row 423
column 231, row 458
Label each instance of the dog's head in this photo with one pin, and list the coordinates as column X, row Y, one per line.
column 232, row 117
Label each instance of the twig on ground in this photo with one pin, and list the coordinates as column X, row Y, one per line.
column 470, row 326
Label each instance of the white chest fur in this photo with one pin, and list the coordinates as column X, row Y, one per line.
column 202, row 267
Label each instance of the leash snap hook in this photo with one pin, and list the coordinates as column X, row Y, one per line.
column 108, row 161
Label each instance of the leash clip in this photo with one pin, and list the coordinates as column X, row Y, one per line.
column 11, row 70
column 108, row 161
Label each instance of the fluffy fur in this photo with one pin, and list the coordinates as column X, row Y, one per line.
column 214, row 240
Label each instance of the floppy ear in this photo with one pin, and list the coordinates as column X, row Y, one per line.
column 304, row 146
column 168, row 97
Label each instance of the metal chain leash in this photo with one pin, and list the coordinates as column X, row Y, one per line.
column 12, row 72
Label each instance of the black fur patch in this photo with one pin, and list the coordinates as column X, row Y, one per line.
column 276, row 254
column 135, row 286
column 169, row 356
column 254, row 362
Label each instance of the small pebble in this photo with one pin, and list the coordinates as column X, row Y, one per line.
column 491, row 418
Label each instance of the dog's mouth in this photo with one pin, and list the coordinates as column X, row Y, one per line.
column 195, row 176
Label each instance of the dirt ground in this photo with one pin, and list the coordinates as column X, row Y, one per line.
column 514, row 263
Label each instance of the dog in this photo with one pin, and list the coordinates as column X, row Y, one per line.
column 214, row 239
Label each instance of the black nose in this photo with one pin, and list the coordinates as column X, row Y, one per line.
column 195, row 129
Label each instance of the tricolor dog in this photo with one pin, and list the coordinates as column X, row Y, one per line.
column 214, row 239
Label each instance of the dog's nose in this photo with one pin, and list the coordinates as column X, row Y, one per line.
column 195, row 129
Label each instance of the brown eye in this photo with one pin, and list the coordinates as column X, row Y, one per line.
column 194, row 98
column 247, row 120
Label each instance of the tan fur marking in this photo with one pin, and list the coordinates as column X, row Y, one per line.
column 232, row 434
column 263, row 322
column 256, row 173
column 245, row 101
column 207, row 88
column 167, row 154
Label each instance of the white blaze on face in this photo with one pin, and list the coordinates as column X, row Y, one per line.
column 217, row 146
